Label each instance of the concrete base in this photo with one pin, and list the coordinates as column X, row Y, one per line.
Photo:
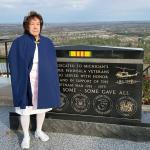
column 139, row 132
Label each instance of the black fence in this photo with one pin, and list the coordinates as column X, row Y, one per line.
column 4, row 50
column 146, row 71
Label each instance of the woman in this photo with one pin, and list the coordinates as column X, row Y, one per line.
column 34, row 76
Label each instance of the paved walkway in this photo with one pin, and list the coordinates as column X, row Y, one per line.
column 5, row 91
column 10, row 140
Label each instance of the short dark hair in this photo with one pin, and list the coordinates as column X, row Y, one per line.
column 27, row 19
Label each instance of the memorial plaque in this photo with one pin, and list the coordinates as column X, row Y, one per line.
column 100, row 81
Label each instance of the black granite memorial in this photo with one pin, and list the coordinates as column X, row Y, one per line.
column 100, row 83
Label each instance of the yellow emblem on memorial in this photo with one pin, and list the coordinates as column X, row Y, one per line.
column 80, row 53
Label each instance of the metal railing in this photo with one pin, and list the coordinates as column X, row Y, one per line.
column 146, row 70
column 4, row 68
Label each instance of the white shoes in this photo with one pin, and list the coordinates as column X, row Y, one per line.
column 41, row 135
column 38, row 134
column 25, row 143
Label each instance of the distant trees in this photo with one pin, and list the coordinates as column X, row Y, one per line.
column 93, row 41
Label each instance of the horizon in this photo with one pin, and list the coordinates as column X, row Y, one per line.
column 90, row 22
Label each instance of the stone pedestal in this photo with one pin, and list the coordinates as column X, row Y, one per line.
column 133, row 132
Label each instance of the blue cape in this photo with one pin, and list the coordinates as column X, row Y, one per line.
column 20, row 60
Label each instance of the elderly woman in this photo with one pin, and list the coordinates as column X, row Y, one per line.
column 34, row 76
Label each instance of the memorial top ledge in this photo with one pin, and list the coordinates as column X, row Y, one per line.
column 97, row 47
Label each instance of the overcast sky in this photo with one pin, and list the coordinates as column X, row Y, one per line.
column 57, row 11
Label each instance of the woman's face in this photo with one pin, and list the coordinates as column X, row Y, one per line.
column 34, row 27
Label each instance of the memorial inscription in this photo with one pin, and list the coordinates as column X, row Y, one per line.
column 98, row 88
